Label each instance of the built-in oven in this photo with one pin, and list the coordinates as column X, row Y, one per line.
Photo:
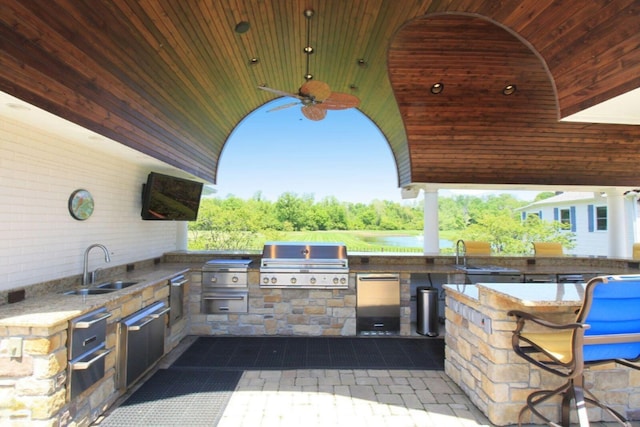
column 86, row 351
column 225, row 286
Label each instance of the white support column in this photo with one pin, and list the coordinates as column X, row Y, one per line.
column 431, row 242
column 182, row 236
column 616, row 223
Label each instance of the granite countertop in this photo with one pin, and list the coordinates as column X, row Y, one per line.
column 55, row 308
column 526, row 294
column 538, row 294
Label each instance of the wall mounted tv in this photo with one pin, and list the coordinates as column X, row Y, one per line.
column 168, row 198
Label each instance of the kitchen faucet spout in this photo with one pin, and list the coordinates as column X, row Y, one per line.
column 460, row 243
column 85, row 272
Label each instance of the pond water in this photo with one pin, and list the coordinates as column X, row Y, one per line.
column 405, row 241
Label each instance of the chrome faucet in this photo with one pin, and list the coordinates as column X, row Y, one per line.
column 86, row 281
column 464, row 249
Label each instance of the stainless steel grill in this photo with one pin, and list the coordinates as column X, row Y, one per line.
column 302, row 265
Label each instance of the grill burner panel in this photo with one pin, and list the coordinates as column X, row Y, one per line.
column 304, row 266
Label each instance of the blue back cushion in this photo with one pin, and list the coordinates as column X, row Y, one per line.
column 615, row 310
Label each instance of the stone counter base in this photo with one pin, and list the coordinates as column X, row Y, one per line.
column 479, row 358
column 287, row 312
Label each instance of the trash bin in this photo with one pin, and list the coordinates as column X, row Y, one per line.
column 427, row 306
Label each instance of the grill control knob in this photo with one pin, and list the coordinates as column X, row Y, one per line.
column 293, row 280
column 312, row 280
column 274, row 280
column 343, row 280
column 234, row 279
column 265, row 280
column 335, row 280
column 214, row 279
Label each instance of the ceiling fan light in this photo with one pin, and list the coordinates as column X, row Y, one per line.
column 308, row 76
column 437, row 88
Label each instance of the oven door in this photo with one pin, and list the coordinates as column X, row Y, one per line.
column 225, row 301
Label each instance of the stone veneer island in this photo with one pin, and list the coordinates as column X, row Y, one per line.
column 480, row 359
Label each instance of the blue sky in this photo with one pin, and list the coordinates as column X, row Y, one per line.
column 345, row 155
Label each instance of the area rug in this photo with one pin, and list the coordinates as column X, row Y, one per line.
column 248, row 353
column 177, row 397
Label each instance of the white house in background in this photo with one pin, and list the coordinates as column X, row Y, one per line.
column 587, row 216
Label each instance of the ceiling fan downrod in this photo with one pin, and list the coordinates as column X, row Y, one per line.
column 308, row 49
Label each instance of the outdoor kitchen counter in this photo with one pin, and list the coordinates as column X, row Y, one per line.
column 480, row 359
column 49, row 310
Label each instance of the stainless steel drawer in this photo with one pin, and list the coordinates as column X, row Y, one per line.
column 225, row 302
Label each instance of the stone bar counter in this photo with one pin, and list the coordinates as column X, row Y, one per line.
column 480, row 359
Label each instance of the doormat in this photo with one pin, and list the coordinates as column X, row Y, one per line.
column 177, row 397
column 249, row 353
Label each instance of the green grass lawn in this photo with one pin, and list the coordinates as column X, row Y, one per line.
column 355, row 240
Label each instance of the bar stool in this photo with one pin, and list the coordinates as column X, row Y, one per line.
column 547, row 249
column 607, row 329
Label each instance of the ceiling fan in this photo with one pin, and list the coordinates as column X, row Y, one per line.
column 316, row 98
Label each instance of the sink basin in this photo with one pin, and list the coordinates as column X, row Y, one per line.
column 115, row 285
column 487, row 269
column 88, row 291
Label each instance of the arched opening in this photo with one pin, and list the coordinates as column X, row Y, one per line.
column 274, row 152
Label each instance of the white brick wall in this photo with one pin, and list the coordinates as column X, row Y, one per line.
column 39, row 240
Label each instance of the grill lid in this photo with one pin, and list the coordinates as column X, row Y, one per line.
column 303, row 254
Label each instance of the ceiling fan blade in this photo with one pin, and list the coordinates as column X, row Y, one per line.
column 340, row 101
column 282, row 107
column 279, row 92
column 314, row 112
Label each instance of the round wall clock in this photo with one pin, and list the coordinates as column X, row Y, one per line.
column 81, row 204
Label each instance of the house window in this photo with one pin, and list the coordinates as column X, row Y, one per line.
column 601, row 218
column 565, row 216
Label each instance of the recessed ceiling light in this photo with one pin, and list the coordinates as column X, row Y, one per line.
column 254, row 61
column 437, row 88
column 362, row 63
column 509, row 90
column 242, row 27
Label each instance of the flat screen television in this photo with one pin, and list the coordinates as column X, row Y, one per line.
column 168, row 198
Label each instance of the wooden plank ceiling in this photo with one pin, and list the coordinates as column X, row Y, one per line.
column 172, row 78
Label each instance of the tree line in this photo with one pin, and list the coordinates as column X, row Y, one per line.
column 234, row 223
